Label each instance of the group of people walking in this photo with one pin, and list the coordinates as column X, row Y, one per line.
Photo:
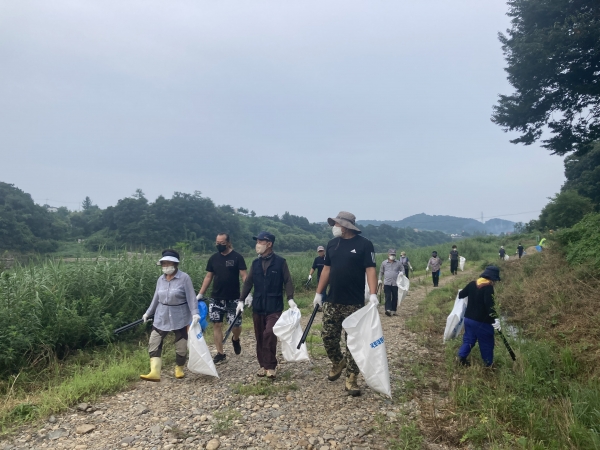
column 342, row 268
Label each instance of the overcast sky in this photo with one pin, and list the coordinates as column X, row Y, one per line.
column 381, row 108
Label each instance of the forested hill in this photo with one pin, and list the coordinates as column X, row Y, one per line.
column 185, row 219
column 447, row 224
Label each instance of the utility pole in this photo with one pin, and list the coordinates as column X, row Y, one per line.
column 482, row 217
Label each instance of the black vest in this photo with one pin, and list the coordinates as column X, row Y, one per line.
column 268, row 287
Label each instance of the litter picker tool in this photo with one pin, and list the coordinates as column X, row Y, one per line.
column 379, row 290
column 507, row 345
column 308, row 325
column 237, row 316
column 129, row 326
column 307, row 284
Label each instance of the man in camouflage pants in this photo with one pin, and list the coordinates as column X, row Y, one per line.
column 348, row 257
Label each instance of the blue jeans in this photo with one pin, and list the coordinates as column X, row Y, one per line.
column 478, row 332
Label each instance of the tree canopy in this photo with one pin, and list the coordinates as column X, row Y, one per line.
column 188, row 220
column 553, row 56
column 565, row 210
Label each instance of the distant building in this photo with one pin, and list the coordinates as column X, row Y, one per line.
column 51, row 209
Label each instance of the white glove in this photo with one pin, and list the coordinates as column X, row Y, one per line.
column 309, row 277
column 292, row 303
column 240, row 307
column 318, row 301
column 410, row 267
column 379, row 282
column 199, row 296
column 248, row 301
column 373, row 299
column 195, row 319
column 145, row 318
column 427, row 269
column 496, row 324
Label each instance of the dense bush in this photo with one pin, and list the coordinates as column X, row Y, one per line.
column 52, row 308
column 582, row 241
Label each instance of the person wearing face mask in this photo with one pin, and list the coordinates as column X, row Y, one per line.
column 435, row 265
column 406, row 264
column 225, row 268
column 348, row 258
column 388, row 276
column 318, row 265
column 173, row 306
column 269, row 276
column 453, row 258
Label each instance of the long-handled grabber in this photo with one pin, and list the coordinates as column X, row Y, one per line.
column 308, row 325
column 507, row 345
column 129, row 326
column 307, row 284
column 237, row 316
column 379, row 292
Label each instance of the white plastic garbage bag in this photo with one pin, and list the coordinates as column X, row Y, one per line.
column 506, row 257
column 366, row 344
column 289, row 331
column 461, row 263
column 200, row 360
column 456, row 320
column 403, row 286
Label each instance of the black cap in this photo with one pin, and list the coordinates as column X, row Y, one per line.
column 264, row 236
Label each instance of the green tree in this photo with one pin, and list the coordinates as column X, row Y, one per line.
column 565, row 210
column 519, row 227
column 87, row 204
column 553, row 56
column 583, row 174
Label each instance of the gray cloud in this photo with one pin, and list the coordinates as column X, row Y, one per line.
column 309, row 107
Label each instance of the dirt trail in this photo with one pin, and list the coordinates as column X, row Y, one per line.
column 302, row 409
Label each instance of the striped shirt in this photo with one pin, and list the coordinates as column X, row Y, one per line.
column 174, row 302
column 389, row 272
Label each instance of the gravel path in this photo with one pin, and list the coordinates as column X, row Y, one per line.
column 301, row 409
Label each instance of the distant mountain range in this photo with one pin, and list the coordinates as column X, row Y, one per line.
column 447, row 224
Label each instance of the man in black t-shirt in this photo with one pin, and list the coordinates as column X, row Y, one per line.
column 318, row 265
column 224, row 267
column 348, row 258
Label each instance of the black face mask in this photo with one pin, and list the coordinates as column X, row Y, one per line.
column 221, row 248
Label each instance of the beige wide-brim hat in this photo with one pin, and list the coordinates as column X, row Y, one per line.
column 345, row 219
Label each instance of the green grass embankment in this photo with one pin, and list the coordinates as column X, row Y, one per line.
column 549, row 398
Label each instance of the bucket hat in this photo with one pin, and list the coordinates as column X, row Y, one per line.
column 391, row 251
column 320, row 248
column 491, row 273
column 345, row 219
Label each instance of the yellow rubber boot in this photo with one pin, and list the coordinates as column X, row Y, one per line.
column 155, row 366
column 179, row 372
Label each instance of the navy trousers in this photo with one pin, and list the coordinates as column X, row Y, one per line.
column 478, row 332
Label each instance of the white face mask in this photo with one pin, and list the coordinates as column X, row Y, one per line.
column 337, row 231
column 391, row 257
column 168, row 270
column 261, row 248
